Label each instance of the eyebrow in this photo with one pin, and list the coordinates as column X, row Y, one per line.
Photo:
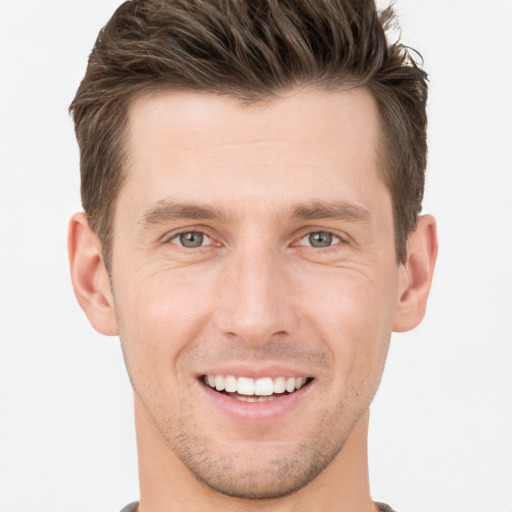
column 166, row 211
column 332, row 210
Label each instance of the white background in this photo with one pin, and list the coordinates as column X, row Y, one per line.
column 441, row 433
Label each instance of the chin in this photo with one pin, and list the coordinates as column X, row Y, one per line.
column 257, row 472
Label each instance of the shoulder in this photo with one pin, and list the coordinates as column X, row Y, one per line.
column 132, row 507
column 382, row 507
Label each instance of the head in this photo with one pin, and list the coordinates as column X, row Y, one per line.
column 252, row 174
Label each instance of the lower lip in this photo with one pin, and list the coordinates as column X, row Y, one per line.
column 257, row 411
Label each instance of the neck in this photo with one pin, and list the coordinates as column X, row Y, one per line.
column 166, row 484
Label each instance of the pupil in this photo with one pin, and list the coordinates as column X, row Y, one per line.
column 192, row 239
column 320, row 239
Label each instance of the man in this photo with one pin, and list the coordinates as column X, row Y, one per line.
column 252, row 177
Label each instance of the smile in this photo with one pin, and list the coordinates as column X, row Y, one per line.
column 247, row 389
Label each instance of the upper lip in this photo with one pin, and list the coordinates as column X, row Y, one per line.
column 256, row 370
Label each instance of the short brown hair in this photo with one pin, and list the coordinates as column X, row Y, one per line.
column 248, row 49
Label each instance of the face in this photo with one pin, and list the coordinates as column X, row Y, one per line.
column 254, row 280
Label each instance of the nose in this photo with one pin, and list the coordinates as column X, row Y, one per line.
column 256, row 297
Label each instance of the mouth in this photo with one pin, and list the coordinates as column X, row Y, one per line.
column 246, row 389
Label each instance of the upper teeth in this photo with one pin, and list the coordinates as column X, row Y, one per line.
column 265, row 386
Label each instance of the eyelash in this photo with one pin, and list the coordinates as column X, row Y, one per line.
column 339, row 239
column 169, row 239
column 323, row 232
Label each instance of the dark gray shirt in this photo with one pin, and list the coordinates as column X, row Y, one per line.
column 132, row 507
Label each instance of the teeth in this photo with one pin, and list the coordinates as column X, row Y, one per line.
column 263, row 387
column 219, row 382
column 245, row 386
column 255, row 398
column 290, row 385
column 230, row 384
column 279, row 385
column 246, row 398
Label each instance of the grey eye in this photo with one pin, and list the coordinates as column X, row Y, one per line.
column 191, row 239
column 320, row 239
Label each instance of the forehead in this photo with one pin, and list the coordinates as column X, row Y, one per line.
column 204, row 148
column 300, row 116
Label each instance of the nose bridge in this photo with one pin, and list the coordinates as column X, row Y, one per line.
column 254, row 304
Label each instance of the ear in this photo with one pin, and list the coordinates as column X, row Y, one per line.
column 417, row 273
column 89, row 276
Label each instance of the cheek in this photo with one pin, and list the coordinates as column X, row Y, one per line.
column 157, row 297
column 352, row 311
column 159, row 314
column 356, row 300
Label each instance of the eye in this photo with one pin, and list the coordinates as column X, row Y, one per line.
column 320, row 239
column 191, row 239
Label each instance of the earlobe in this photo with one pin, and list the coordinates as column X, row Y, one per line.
column 89, row 277
column 417, row 273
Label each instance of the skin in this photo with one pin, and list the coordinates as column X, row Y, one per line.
column 255, row 297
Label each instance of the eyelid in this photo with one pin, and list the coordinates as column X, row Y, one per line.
column 304, row 232
column 171, row 235
column 206, row 240
column 336, row 240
